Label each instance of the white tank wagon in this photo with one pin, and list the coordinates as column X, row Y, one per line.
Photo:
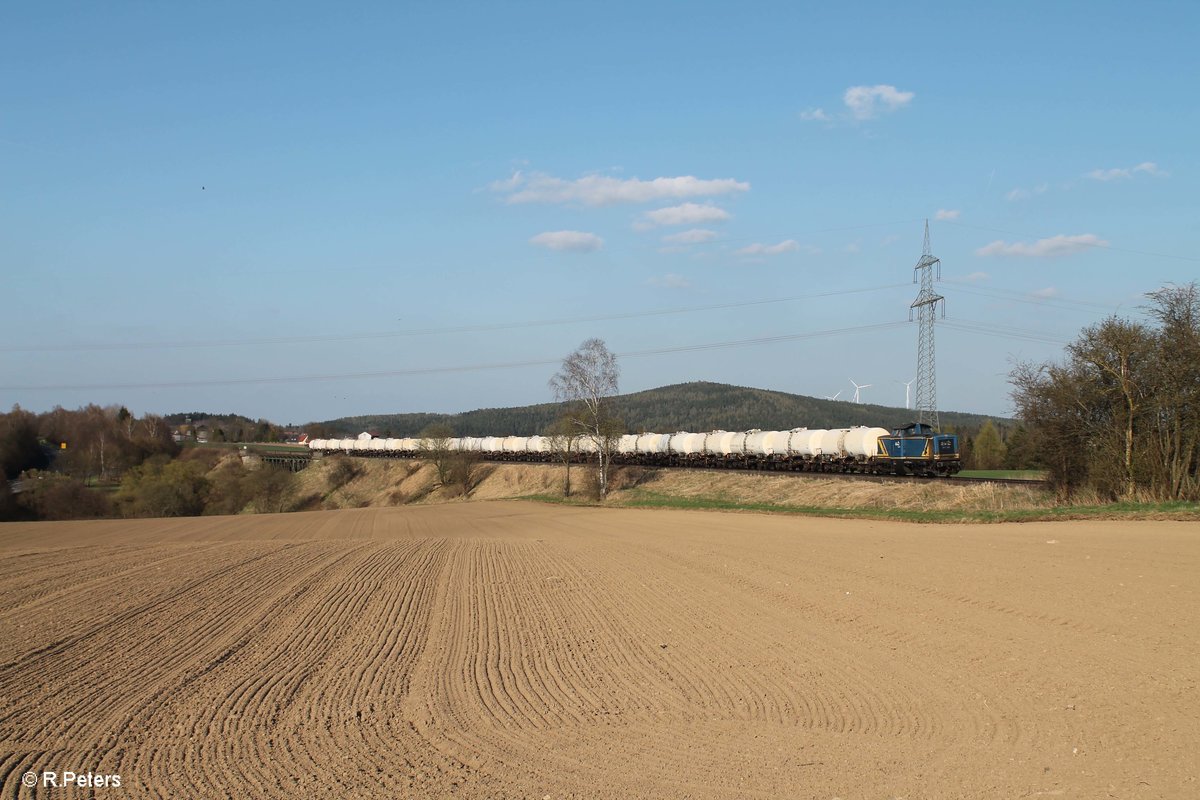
column 539, row 444
column 654, row 444
column 688, row 445
column 856, row 449
column 863, row 443
column 831, row 443
column 758, row 443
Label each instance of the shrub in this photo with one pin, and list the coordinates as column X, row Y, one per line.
column 272, row 489
column 164, row 488
column 342, row 471
column 229, row 489
column 54, row 496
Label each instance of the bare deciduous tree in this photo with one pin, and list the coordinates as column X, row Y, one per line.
column 1173, row 435
column 588, row 380
column 434, row 444
column 1122, row 413
column 563, row 436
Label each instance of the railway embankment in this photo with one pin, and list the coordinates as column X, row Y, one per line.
column 371, row 483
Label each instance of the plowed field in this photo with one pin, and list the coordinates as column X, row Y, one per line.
column 507, row 649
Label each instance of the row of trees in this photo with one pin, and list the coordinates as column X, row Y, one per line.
column 226, row 427
column 93, row 442
column 1121, row 413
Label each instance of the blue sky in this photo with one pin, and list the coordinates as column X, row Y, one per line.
column 197, row 198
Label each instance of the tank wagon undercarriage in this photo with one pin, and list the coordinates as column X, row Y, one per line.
column 914, row 450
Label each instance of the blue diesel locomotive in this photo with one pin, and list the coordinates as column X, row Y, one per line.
column 917, row 449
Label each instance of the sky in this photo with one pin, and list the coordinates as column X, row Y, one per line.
column 302, row 211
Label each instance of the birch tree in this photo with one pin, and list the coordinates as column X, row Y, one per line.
column 588, row 380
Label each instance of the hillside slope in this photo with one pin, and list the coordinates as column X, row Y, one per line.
column 694, row 406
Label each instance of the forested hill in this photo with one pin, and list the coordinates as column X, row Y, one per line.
column 697, row 406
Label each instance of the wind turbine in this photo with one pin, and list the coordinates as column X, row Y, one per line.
column 907, row 388
column 835, row 397
column 858, row 388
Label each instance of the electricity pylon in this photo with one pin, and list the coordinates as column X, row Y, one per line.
column 926, row 312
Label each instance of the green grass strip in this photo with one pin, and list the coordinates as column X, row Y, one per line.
column 643, row 499
column 1005, row 474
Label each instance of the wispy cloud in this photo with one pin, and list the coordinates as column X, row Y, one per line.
column 568, row 241
column 1124, row 173
column 686, row 214
column 693, row 236
column 604, row 190
column 757, row 249
column 670, row 281
column 946, row 213
column 863, row 103
column 1045, row 294
column 1023, row 194
column 976, row 277
column 1043, row 248
column 868, row 102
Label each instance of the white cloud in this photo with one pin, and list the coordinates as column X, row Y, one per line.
column 868, row 102
column 852, row 247
column 670, row 281
column 693, row 236
column 946, row 213
column 1022, row 194
column 1046, row 293
column 603, row 190
column 976, row 277
column 509, row 184
column 1043, row 248
column 756, row 249
column 815, row 115
column 568, row 241
column 686, row 214
column 1123, row 173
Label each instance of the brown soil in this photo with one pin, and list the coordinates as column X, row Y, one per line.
column 503, row 649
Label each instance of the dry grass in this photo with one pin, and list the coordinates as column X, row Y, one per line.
column 795, row 490
column 388, row 482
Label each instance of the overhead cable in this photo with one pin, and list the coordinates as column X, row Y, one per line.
column 542, row 362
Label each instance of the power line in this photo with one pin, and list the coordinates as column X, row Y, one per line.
column 760, row 340
column 498, row 326
column 1020, row 297
column 1002, row 331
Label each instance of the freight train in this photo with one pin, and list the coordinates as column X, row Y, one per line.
column 912, row 450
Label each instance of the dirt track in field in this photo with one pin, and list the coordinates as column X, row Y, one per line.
column 507, row 649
